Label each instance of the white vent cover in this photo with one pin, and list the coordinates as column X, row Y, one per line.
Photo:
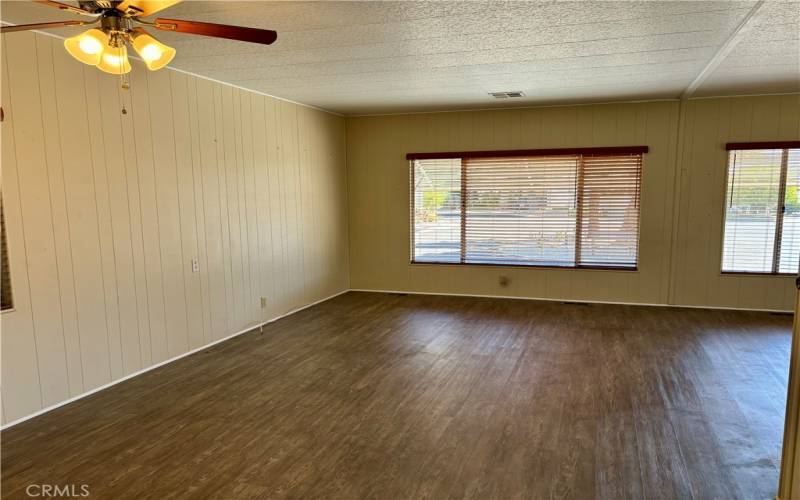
column 507, row 94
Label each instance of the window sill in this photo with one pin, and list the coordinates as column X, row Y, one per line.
column 527, row 266
column 757, row 274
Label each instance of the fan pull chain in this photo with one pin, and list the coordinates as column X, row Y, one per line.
column 125, row 84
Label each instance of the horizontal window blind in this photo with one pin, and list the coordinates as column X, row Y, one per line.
column 762, row 211
column 436, row 210
column 521, row 210
column 789, row 250
column 611, row 186
column 566, row 210
column 6, row 299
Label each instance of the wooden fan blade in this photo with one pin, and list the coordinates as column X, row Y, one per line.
column 253, row 35
column 144, row 8
column 40, row 26
column 66, row 7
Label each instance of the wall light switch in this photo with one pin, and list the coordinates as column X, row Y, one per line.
column 263, row 302
column 195, row 266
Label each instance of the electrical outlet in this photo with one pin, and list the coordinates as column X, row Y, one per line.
column 263, row 302
column 195, row 266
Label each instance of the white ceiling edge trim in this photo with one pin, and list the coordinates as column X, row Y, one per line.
column 567, row 105
column 731, row 96
column 205, row 77
column 725, row 49
column 507, row 108
column 253, row 91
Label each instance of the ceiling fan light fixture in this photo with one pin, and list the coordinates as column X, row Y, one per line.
column 155, row 54
column 115, row 60
column 88, row 46
column 105, row 47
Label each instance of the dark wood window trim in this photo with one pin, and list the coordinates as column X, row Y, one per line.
column 528, row 266
column 731, row 146
column 613, row 150
column 755, row 273
column 465, row 155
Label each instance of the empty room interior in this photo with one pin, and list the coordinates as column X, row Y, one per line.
column 400, row 249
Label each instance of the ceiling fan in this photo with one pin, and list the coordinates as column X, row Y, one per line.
column 104, row 45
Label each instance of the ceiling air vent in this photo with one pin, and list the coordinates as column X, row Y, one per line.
column 506, row 95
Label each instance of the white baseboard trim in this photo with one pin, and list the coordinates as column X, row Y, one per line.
column 515, row 297
column 162, row 363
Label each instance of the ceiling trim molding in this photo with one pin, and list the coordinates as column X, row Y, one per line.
column 520, row 107
column 53, row 35
column 726, row 96
column 730, row 43
column 565, row 105
column 254, row 91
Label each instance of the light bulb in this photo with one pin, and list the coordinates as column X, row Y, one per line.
column 155, row 54
column 151, row 52
column 115, row 60
column 88, row 46
column 112, row 59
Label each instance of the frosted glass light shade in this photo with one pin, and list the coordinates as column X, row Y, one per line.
column 88, row 46
column 115, row 60
column 155, row 54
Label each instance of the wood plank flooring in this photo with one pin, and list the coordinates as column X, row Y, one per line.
column 391, row 397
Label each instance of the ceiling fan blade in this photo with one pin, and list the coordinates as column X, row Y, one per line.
column 144, row 8
column 66, row 7
column 41, row 26
column 253, row 35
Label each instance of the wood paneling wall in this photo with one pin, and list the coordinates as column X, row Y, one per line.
column 682, row 197
column 708, row 125
column 105, row 212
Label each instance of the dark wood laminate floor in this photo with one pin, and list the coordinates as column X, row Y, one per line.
column 382, row 396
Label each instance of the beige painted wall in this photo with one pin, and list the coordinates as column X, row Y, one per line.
column 684, row 170
column 709, row 124
column 105, row 211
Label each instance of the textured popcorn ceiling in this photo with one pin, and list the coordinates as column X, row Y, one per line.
column 379, row 57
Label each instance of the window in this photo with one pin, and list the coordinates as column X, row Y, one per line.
column 550, row 208
column 762, row 209
column 5, row 278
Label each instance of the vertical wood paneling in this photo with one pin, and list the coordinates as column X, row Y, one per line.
column 305, row 187
column 223, row 156
column 111, row 207
column 131, row 180
column 148, row 208
column 251, row 228
column 199, row 204
column 121, row 226
column 104, row 223
column 184, row 157
column 229, row 179
column 58, row 204
column 278, row 214
column 262, row 192
column 379, row 219
column 33, row 184
column 710, row 124
column 21, row 384
column 82, row 213
column 162, row 131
